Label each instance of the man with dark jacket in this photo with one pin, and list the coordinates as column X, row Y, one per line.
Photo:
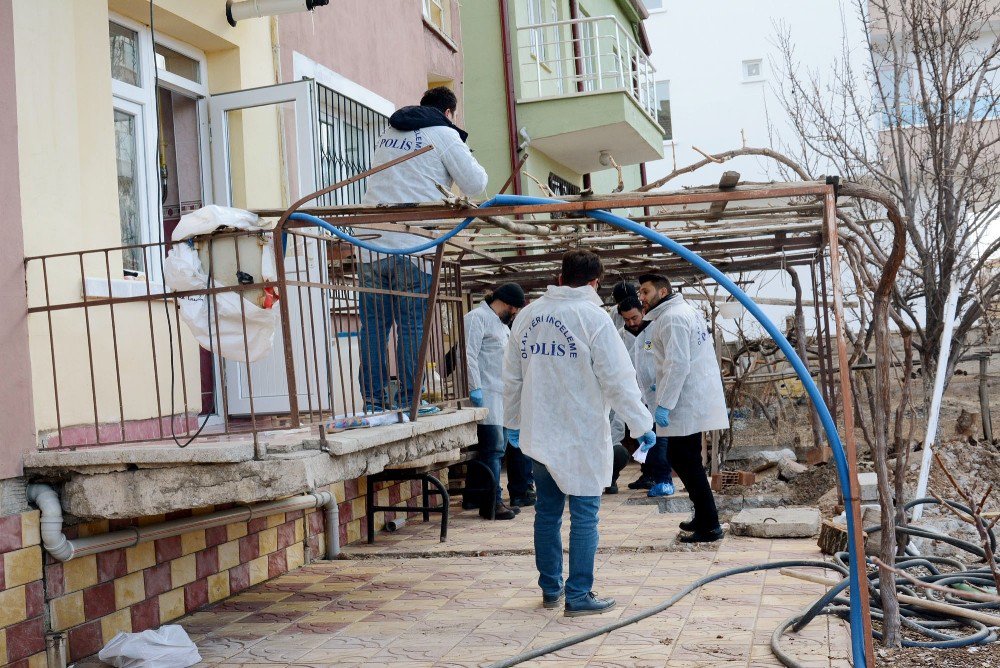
column 415, row 180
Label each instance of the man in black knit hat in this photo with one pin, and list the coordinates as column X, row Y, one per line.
column 486, row 335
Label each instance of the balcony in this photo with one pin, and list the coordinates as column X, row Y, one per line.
column 586, row 86
column 128, row 373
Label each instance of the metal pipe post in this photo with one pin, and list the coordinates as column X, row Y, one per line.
column 850, row 441
column 425, row 339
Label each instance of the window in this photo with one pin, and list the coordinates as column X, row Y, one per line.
column 753, row 70
column 663, row 109
column 158, row 160
column 536, row 37
column 588, row 54
column 128, row 129
column 124, row 54
column 561, row 187
column 348, row 131
column 438, row 14
column 177, row 63
column 653, row 5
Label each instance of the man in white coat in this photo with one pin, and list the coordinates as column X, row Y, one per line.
column 415, row 180
column 486, row 335
column 564, row 369
column 656, row 468
column 689, row 395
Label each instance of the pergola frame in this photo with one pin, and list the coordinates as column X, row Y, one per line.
column 800, row 229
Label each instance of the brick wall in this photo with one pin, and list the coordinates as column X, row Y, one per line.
column 94, row 597
column 22, row 593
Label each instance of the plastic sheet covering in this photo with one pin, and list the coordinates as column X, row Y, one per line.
column 217, row 321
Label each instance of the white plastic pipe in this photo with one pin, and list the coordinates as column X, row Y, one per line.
column 55, row 542
column 254, row 9
column 53, row 538
column 932, row 420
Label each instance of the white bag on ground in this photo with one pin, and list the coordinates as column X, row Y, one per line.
column 166, row 647
column 217, row 324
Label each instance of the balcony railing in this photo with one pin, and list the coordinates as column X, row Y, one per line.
column 581, row 56
column 117, row 364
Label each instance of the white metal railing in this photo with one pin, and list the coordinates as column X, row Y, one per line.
column 581, row 56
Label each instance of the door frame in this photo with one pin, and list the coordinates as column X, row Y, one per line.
column 301, row 94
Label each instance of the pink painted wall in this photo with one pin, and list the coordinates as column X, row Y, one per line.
column 17, row 420
column 382, row 45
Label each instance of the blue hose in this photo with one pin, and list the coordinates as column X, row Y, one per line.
column 858, row 631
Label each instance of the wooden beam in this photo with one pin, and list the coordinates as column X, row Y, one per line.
column 728, row 181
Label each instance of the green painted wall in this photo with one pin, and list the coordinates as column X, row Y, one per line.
column 485, row 95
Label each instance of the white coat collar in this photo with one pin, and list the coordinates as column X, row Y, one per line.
column 584, row 293
column 668, row 303
column 486, row 307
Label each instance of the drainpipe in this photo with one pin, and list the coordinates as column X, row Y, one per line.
column 331, row 525
column 51, row 522
column 574, row 15
column 508, row 76
column 55, row 542
column 643, row 181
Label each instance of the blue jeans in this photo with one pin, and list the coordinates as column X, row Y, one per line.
column 548, row 541
column 489, row 452
column 379, row 312
column 657, row 462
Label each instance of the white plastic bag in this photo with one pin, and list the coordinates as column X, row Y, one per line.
column 166, row 647
column 209, row 218
column 217, row 324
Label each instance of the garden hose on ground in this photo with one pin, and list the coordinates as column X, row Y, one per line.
column 917, row 620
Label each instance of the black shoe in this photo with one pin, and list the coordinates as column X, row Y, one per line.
column 688, row 524
column 522, row 501
column 613, row 489
column 469, row 505
column 503, row 512
column 644, row 482
column 591, row 605
column 703, row 536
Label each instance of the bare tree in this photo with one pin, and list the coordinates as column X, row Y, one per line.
column 918, row 120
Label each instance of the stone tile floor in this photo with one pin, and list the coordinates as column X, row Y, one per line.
column 410, row 600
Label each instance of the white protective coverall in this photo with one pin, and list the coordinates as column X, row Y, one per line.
column 564, row 369
column 416, row 180
column 688, row 380
column 485, row 341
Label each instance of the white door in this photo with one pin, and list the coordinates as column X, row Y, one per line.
column 281, row 121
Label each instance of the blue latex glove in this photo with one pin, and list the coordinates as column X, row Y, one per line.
column 647, row 441
column 476, row 396
column 514, row 438
column 662, row 416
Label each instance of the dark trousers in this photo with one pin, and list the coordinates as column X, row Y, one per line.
column 490, row 452
column 519, row 476
column 621, row 457
column 658, row 463
column 685, row 458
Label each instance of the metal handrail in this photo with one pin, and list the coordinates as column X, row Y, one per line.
column 624, row 67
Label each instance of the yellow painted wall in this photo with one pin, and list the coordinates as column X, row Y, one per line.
column 69, row 191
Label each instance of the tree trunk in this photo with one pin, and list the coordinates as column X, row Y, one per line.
column 800, row 344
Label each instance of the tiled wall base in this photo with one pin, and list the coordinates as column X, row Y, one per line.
column 94, row 597
column 22, row 593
